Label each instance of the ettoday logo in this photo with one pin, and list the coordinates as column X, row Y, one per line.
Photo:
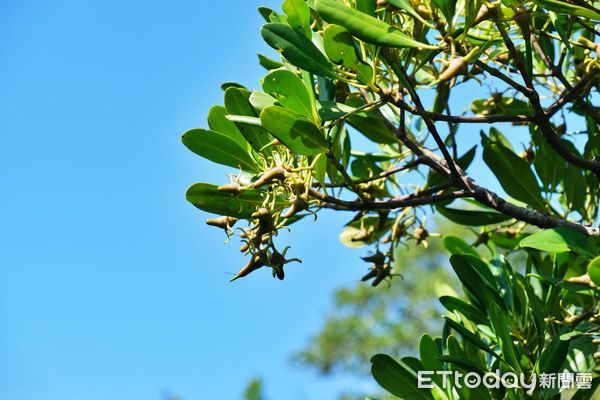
column 507, row 380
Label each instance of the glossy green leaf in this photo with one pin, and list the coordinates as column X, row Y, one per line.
column 554, row 354
column 217, row 121
column 293, row 130
column 208, row 198
column 501, row 328
column 513, row 173
column 237, row 103
column 268, row 63
column 219, row 148
column 472, row 313
column 298, row 15
column 339, row 46
column 470, row 336
column 289, row 90
column 472, row 217
column 447, row 7
column 549, row 168
column 367, row 6
column 261, row 100
column 405, row 5
column 397, row 379
column 245, row 120
column 476, row 277
column 297, row 49
column 560, row 240
column 593, row 270
column 456, row 245
column 429, row 353
column 563, row 7
column 370, row 123
column 501, row 106
column 366, row 27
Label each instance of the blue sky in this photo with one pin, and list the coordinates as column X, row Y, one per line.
column 111, row 286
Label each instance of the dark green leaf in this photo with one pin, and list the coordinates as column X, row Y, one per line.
column 513, row 173
column 456, row 245
column 366, row 27
column 268, row 63
column 237, row 103
column 297, row 49
column 472, row 313
column 396, row 378
column 219, row 148
column 560, row 240
column 298, row 15
column 293, row 130
column 217, row 121
column 208, row 198
column 472, row 217
column 290, row 91
column 593, row 270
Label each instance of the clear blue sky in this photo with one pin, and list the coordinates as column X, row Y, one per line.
column 111, row 286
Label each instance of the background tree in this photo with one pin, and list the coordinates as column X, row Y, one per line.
column 359, row 116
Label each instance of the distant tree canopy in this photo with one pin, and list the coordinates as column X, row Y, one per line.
column 357, row 116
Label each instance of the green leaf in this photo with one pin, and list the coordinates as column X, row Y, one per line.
column 289, row 90
column 339, row 46
column 563, row 7
column 397, row 379
column 297, row 49
column 593, row 270
column 472, row 313
column 476, row 277
column 501, row 106
column 293, row 130
column 366, row 27
column 261, row 100
column 500, row 324
column 560, row 240
column 554, row 354
column 268, row 63
column 456, row 245
column 237, row 103
column 298, row 15
column 472, row 217
column 447, row 7
column 470, row 336
column 513, row 173
column 208, row 198
column 370, row 123
column 217, row 121
column 367, row 6
column 549, row 168
column 406, row 6
column 219, row 148
column 242, row 119
column 429, row 353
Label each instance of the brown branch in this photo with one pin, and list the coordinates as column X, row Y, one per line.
column 572, row 93
column 411, row 200
column 542, row 119
column 382, row 175
column 493, row 200
column 490, row 119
